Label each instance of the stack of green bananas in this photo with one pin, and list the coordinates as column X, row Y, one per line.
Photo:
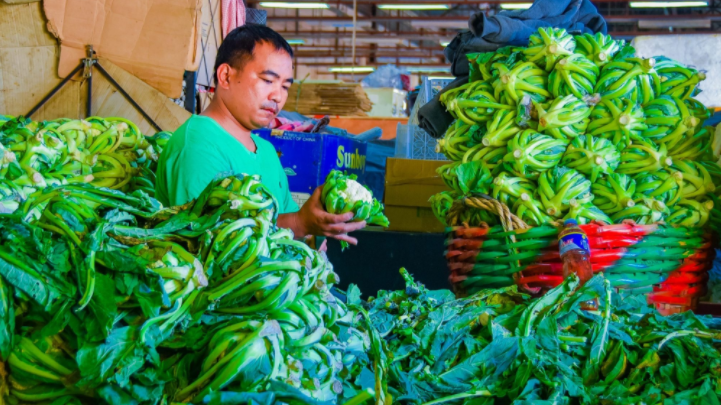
column 582, row 127
column 105, row 152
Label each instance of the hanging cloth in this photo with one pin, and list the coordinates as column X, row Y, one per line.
column 232, row 15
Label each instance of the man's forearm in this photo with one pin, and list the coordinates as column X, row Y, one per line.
column 292, row 221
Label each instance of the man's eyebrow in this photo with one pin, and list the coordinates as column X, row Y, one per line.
column 270, row 73
column 276, row 75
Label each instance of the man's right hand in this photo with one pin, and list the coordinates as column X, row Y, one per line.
column 312, row 219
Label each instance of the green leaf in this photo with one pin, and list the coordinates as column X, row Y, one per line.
column 353, row 295
column 98, row 361
column 103, row 307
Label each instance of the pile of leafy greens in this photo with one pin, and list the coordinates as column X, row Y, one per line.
column 501, row 346
column 107, row 298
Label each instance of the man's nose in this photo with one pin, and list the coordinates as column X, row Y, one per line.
column 276, row 94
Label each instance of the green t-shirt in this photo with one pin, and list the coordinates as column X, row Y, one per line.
column 200, row 149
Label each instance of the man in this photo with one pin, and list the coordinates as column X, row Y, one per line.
column 253, row 72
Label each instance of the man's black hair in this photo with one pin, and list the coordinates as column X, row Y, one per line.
column 237, row 48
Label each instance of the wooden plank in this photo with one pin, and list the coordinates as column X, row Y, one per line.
column 312, row 97
column 357, row 125
column 110, row 102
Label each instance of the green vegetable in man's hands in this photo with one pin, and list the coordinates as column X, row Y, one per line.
column 342, row 193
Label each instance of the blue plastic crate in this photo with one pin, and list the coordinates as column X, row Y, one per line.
column 412, row 142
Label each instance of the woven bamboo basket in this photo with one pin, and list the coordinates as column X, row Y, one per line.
column 668, row 265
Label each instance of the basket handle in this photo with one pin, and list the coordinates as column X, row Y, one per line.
column 509, row 220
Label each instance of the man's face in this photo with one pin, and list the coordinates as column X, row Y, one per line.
column 258, row 90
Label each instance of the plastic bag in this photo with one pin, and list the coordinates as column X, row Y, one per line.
column 385, row 76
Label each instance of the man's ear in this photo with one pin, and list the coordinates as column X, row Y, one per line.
column 224, row 71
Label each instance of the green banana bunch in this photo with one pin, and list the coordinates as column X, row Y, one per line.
column 598, row 48
column 678, row 80
column 631, row 78
column 591, row 156
column 621, row 121
column 566, row 117
column 523, row 78
column 646, row 211
column 548, row 45
column 475, row 105
column 530, row 154
column 507, row 188
column 459, row 138
column 466, row 178
column 669, row 119
column 663, row 185
column 558, row 186
column 530, row 210
column 614, row 192
column 697, row 181
column 644, row 157
column 691, row 213
column 585, row 213
column 696, row 147
column 501, row 129
column 575, row 75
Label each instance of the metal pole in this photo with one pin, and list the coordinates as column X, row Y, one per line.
column 190, row 91
column 127, row 96
column 89, row 106
column 54, row 90
column 89, row 61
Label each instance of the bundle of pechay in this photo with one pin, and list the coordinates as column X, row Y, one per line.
column 502, row 347
column 580, row 127
column 104, row 152
column 106, row 297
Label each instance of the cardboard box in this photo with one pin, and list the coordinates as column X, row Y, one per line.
column 387, row 102
column 413, row 219
column 149, row 38
column 409, row 185
column 29, row 70
column 308, row 158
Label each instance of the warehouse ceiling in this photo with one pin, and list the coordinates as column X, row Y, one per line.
column 415, row 39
